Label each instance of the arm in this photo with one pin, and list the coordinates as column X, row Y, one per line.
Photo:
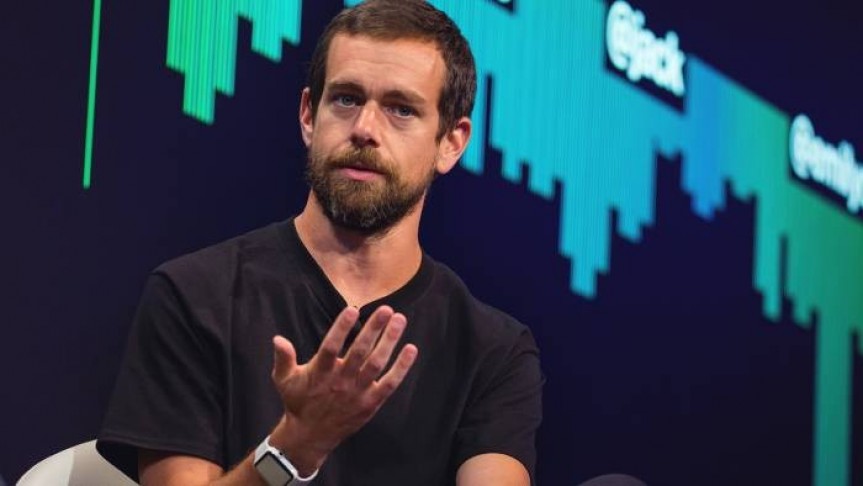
column 497, row 469
column 325, row 400
column 496, row 436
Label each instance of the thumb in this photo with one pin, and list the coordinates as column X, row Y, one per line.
column 284, row 358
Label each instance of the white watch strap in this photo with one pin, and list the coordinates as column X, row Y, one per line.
column 298, row 480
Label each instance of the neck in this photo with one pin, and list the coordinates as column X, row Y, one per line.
column 363, row 268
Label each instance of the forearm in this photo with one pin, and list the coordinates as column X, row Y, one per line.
column 242, row 474
column 166, row 468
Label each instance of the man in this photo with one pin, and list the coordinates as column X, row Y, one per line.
column 434, row 388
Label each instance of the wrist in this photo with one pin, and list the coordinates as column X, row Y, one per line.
column 299, row 445
column 276, row 469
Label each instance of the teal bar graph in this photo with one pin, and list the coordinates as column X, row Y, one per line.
column 202, row 44
column 599, row 134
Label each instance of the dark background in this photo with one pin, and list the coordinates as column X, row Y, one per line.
column 670, row 374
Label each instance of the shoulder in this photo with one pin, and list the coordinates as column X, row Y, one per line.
column 217, row 266
column 486, row 325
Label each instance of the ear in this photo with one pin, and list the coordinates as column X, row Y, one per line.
column 452, row 145
column 307, row 119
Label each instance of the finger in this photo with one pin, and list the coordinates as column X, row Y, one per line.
column 396, row 374
column 380, row 356
column 284, row 358
column 334, row 341
column 365, row 341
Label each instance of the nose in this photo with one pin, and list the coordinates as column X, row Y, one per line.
column 366, row 129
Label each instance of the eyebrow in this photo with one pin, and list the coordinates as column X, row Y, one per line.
column 402, row 95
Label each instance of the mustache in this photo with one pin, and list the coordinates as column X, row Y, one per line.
column 362, row 158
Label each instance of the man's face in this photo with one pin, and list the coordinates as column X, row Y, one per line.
column 372, row 147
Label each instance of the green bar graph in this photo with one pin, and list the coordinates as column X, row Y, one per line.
column 91, row 94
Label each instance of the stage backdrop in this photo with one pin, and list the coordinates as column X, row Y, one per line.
column 666, row 192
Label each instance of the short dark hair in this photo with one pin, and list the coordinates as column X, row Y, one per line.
column 405, row 19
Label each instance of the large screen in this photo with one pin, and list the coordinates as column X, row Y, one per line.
column 668, row 193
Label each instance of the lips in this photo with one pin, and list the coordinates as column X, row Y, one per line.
column 356, row 166
column 359, row 173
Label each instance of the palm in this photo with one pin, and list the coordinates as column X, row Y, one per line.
column 334, row 396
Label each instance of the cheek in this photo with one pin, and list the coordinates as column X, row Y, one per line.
column 424, row 160
column 323, row 139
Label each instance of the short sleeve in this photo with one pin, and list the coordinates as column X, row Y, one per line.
column 504, row 414
column 167, row 395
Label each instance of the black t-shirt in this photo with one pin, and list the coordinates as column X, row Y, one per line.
column 196, row 375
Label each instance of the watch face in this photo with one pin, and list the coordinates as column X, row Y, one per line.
column 273, row 471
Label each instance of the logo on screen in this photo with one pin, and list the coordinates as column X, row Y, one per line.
column 833, row 167
column 639, row 53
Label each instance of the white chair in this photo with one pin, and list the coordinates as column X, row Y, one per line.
column 79, row 465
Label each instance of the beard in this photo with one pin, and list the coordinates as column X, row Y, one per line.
column 367, row 207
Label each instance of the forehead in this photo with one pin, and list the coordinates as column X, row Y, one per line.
column 377, row 64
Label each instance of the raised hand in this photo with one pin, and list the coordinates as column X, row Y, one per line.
column 329, row 398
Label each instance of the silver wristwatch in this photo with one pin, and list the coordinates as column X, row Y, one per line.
column 276, row 469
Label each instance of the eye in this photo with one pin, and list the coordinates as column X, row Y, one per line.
column 345, row 100
column 403, row 111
